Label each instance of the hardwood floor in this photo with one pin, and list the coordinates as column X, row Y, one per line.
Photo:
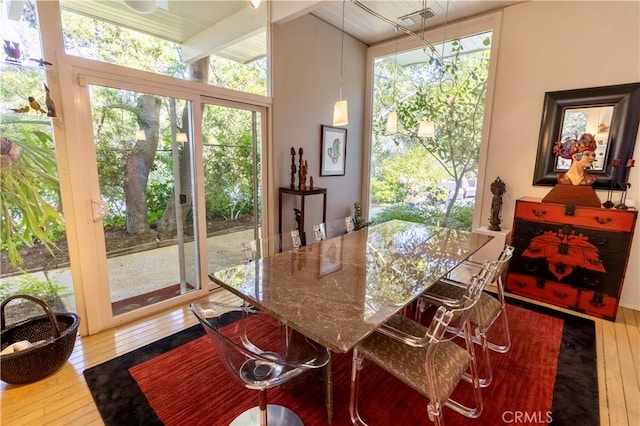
column 64, row 399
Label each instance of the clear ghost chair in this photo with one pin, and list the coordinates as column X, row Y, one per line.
column 425, row 358
column 263, row 247
column 270, row 360
column 332, row 229
column 447, row 292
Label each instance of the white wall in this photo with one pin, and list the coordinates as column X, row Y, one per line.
column 306, row 75
column 550, row 46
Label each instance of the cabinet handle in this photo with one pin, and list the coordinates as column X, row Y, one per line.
column 539, row 213
column 535, row 231
column 519, row 284
column 559, row 295
column 590, row 281
column 597, row 300
column 602, row 221
column 599, row 242
column 531, row 268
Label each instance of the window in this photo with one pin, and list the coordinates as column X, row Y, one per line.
column 429, row 179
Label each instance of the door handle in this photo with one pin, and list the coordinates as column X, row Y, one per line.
column 99, row 209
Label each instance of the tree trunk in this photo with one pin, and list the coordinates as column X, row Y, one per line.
column 139, row 163
column 167, row 225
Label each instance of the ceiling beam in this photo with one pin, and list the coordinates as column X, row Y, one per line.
column 243, row 24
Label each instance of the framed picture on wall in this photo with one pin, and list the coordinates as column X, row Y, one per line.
column 333, row 151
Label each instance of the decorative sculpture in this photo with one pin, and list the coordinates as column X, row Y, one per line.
column 298, row 214
column 303, row 175
column 498, row 189
column 300, row 167
column 293, row 168
column 582, row 153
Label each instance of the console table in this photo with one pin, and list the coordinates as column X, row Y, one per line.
column 302, row 193
column 571, row 256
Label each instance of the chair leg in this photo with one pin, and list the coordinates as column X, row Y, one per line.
column 263, row 407
column 353, row 398
column 506, row 335
column 434, row 410
column 473, row 377
column 485, row 382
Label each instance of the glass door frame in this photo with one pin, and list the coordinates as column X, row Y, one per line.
column 266, row 162
column 94, row 295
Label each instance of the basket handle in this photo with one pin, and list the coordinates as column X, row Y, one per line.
column 47, row 309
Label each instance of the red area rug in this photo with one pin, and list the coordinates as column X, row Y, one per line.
column 202, row 392
column 550, row 371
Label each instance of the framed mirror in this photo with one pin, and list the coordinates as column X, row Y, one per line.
column 610, row 113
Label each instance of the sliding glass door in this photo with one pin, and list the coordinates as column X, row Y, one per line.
column 232, row 152
column 144, row 150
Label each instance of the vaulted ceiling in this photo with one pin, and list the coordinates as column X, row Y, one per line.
column 233, row 29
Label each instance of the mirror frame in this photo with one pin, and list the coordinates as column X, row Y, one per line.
column 625, row 99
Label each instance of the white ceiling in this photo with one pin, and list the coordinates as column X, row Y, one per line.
column 235, row 30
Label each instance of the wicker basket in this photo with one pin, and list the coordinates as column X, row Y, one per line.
column 58, row 330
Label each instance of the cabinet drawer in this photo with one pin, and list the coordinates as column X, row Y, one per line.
column 605, row 219
column 603, row 241
column 574, row 270
column 598, row 304
column 558, row 294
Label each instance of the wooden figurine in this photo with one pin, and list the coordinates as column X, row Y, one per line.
column 292, row 184
column 300, row 167
column 303, row 175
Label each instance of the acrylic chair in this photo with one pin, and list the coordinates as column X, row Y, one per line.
column 426, row 359
column 258, row 362
column 448, row 292
column 332, row 229
column 263, row 247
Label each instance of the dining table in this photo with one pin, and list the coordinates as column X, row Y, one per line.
column 340, row 290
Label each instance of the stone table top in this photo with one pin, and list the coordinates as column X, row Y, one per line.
column 339, row 291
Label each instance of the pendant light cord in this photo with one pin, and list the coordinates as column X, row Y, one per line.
column 342, row 49
column 395, row 69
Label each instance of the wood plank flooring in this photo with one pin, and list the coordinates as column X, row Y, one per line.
column 64, row 399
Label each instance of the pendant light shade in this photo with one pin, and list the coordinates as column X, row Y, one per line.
column 340, row 113
column 427, row 129
column 141, row 6
column 392, row 122
column 255, row 3
column 182, row 137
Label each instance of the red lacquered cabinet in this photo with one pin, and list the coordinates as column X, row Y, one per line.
column 570, row 256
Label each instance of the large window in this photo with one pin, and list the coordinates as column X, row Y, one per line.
column 90, row 37
column 34, row 257
column 429, row 176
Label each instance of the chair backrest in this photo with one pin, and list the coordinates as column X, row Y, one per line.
column 255, row 361
column 492, row 271
column 332, row 229
column 445, row 320
column 263, row 247
column 502, row 262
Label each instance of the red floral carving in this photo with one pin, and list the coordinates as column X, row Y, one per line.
column 564, row 252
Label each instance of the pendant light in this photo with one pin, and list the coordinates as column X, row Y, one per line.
column 340, row 110
column 426, row 129
column 254, row 3
column 392, row 117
